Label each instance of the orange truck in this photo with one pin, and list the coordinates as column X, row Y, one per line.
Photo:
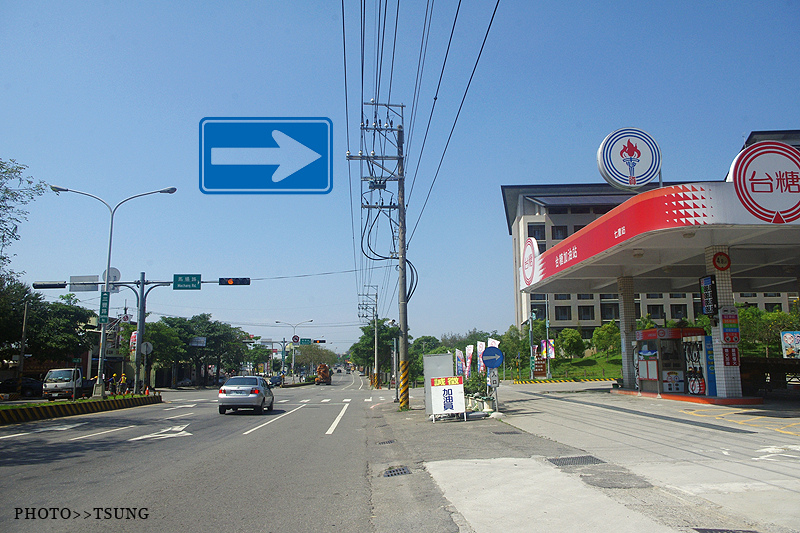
column 323, row 375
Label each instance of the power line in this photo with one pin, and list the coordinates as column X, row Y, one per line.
column 449, row 137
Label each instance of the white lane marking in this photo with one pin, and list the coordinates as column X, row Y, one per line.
column 180, row 406
column 100, row 433
column 59, row 428
column 338, row 418
column 326, row 400
column 381, row 398
column 368, row 399
column 282, row 401
column 174, row 431
column 203, row 400
column 177, row 400
column 346, row 400
column 178, row 416
column 14, row 435
column 305, row 401
column 273, row 420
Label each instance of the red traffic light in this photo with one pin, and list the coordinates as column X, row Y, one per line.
column 234, row 281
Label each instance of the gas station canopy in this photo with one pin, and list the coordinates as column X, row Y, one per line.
column 659, row 239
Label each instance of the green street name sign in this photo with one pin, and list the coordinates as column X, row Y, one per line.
column 305, row 341
column 186, row 282
column 103, row 318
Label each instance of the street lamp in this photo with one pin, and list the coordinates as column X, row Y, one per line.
column 294, row 334
column 99, row 387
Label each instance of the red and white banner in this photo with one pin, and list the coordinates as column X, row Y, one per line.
column 469, row 349
column 481, row 348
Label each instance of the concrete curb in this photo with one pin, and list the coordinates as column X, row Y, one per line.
column 710, row 400
column 59, row 409
column 535, row 381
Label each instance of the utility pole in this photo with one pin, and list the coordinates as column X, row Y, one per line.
column 384, row 133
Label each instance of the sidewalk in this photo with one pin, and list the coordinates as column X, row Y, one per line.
column 498, row 475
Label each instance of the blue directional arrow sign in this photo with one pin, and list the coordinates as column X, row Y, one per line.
column 266, row 155
column 492, row 357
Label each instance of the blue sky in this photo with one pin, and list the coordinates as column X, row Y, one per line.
column 106, row 98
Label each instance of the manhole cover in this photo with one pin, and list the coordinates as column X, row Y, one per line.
column 579, row 460
column 396, row 471
column 386, row 442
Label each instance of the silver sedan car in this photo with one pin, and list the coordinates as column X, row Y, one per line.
column 248, row 392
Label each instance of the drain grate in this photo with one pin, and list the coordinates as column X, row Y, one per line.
column 386, row 442
column 506, row 432
column 396, row 471
column 579, row 460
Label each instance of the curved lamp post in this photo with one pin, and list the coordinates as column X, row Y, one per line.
column 99, row 387
column 294, row 333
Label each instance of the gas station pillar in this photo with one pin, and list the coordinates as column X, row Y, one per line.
column 729, row 379
column 627, row 330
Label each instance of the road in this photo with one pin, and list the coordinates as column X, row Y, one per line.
column 343, row 458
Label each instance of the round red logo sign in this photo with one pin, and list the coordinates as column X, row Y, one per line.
column 528, row 259
column 766, row 176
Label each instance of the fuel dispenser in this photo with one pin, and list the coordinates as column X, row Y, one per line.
column 675, row 360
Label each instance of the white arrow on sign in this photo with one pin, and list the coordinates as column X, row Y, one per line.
column 490, row 357
column 174, row 431
column 290, row 156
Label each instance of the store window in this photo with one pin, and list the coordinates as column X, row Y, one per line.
column 610, row 296
column 609, row 311
column 585, row 312
column 536, row 232
column 678, row 311
column 772, row 306
column 541, row 297
column 564, row 296
column 677, row 295
column 586, row 297
column 654, row 295
column 656, row 312
column 563, row 312
column 558, row 232
column 540, row 311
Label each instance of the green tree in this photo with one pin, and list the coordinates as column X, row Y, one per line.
column 13, row 296
column 607, row 338
column 362, row 353
column 16, row 190
column 570, row 343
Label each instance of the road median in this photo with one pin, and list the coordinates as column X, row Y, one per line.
column 28, row 413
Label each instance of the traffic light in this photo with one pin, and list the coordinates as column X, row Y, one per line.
column 319, row 341
column 49, row 284
column 234, row 281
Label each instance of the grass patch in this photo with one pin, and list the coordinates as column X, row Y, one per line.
column 593, row 367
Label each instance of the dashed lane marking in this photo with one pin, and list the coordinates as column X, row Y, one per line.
column 101, row 433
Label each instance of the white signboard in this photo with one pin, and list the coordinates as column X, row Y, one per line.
column 447, row 395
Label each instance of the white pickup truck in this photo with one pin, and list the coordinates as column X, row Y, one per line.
column 66, row 383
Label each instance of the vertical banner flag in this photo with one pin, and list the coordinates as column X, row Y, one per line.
column 548, row 350
column 459, row 362
column 470, row 349
column 493, row 342
column 481, row 348
column 133, row 345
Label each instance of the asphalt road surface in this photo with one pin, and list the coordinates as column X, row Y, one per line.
column 343, row 458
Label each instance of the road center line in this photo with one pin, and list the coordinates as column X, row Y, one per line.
column 273, row 420
column 100, row 433
column 338, row 418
